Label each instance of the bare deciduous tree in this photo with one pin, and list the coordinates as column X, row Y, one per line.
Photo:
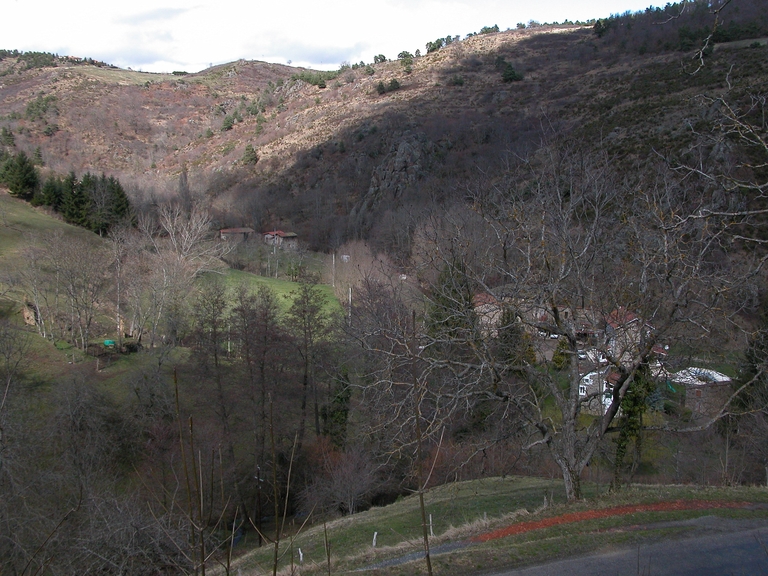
column 570, row 250
column 82, row 270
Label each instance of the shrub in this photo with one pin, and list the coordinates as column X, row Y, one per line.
column 510, row 74
column 6, row 137
column 38, row 108
column 250, row 157
column 318, row 79
column 561, row 355
column 382, row 88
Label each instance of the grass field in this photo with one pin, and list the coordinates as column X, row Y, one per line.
column 282, row 288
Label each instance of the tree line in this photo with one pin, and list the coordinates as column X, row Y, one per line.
column 96, row 203
column 683, row 26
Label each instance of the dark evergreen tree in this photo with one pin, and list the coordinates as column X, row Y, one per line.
column 450, row 315
column 74, row 202
column 510, row 74
column 336, row 413
column 6, row 137
column 120, row 204
column 633, row 406
column 514, row 342
column 50, row 194
column 106, row 202
column 250, row 156
column 755, row 367
column 20, row 175
column 37, row 157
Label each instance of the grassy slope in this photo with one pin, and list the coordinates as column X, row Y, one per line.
column 21, row 226
column 466, row 509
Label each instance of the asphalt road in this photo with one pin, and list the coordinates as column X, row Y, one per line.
column 718, row 547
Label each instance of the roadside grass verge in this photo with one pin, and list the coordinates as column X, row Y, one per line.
column 398, row 526
column 466, row 509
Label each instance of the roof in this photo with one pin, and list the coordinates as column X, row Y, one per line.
column 281, row 234
column 621, row 317
column 236, row 230
column 483, row 298
column 694, row 376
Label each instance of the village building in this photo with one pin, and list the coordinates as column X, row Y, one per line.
column 282, row 240
column 488, row 311
column 236, row 234
column 596, row 388
column 706, row 391
column 625, row 334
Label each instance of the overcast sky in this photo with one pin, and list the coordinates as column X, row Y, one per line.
column 168, row 35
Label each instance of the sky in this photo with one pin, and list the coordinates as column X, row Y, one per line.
column 170, row 35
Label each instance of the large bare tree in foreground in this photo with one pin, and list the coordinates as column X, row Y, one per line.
column 562, row 246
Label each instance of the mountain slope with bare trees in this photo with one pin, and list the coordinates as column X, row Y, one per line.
column 267, row 145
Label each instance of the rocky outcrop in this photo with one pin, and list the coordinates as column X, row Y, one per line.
column 400, row 170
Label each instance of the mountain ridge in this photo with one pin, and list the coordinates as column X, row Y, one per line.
column 324, row 152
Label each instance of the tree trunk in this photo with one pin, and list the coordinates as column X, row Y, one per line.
column 572, row 481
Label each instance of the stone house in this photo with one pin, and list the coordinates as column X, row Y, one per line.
column 282, row 240
column 706, row 391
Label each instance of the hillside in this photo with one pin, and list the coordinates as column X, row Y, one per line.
column 549, row 248
column 344, row 161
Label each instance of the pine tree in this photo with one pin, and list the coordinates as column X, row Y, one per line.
column 120, row 205
column 20, row 175
column 250, row 156
column 74, row 202
column 53, row 192
column 450, row 315
column 6, row 137
column 514, row 342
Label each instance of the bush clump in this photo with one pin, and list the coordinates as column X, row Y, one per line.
column 393, row 85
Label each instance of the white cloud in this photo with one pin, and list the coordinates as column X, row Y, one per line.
column 174, row 35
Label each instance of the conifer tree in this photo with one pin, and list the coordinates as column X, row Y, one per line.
column 74, row 202
column 20, row 175
column 450, row 315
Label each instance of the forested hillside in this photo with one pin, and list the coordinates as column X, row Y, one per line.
column 536, row 251
column 344, row 161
